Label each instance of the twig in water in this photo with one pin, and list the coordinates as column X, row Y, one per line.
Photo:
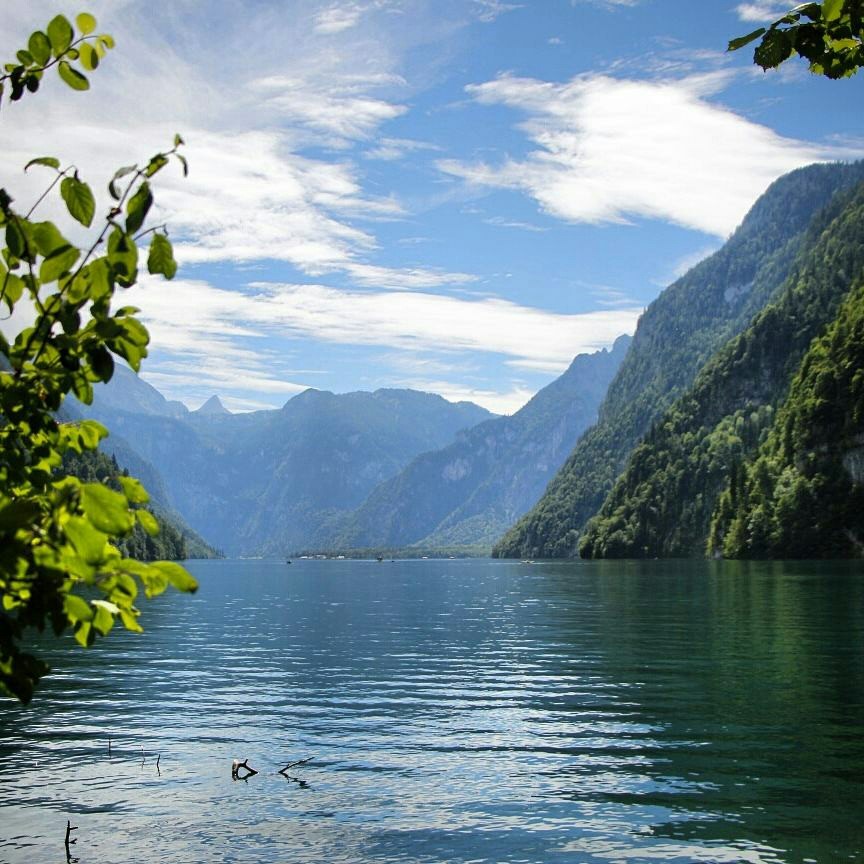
column 69, row 841
column 109, row 746
column 143, row 757
column 284, row 771
column 158, row 757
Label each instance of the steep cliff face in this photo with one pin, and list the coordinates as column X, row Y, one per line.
column 678, row 334
column 469, row 492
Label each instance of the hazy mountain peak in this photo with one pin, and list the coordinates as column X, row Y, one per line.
column 213, row 406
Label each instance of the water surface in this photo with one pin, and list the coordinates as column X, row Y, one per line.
column 458, row 711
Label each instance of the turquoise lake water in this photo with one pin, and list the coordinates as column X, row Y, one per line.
column 456, row 711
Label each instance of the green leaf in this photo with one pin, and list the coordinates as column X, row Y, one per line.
column 137, row 208
column 120, row 172
column 101, row 362
column 79, row 200
column 48, row 161
column 832, row 9
column 72, row 77
column 157, row 163
column 89, row 57
column 13, row 288
column 77, row 608
column 40, row 47
column 17, row 514
column 89, row 543
column 25, row 58
column 106, row 40
column 123, row 257
column 91, row 433
column 59, row 262
column 106, row 509
column 47, row 238
column 741, row 41
column 178, row 140
column 60, row 34
column 86, row 23
column 15, row 239
column 774, row 49
column 161, row 257
column 176, row 575
column 148, row 522
column 130, row 620
column 103, row 620
column 134, row 491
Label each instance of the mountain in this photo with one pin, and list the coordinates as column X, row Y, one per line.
column 662, row 504
column 802, row 495
column 270, row 481
column 128, row 393
column 213, row 406
column 676, row 336
column 469, row 492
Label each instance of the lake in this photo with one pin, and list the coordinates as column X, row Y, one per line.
column 456, row 711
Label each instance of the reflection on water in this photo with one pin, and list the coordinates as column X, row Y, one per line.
column 458, row 711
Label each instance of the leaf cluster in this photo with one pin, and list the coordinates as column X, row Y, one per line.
column 60, row 46
column 829, row 35
column 59, row 535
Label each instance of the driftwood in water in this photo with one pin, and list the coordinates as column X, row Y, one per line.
column 237, row 766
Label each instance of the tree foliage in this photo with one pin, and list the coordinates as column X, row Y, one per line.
column 60, row 561
column 802, row 494
column 829, row 35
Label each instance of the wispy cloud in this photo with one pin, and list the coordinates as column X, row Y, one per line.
column 611, row 149
column 488, row 10
column 339, row 17
column 192, row 321
column 502, row 222
column 391, row 149
column 762, row 10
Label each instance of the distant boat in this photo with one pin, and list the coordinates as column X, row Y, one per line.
column 380, row 558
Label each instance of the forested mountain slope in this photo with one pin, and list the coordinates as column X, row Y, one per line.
column 676, row 336
column 803, row 495
column 469, row 492
column 662, row 505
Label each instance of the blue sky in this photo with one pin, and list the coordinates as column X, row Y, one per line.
column 452, row 195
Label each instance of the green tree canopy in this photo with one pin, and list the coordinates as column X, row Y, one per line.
column 60, row 565
column 829, row 35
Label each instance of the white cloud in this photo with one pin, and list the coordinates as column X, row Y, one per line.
column 391, row 149
column 488, row 10
column 498, row 402
column 198, row 326
column 610, row 149
column 339, row 17
column 761, row 10
column 254, row 193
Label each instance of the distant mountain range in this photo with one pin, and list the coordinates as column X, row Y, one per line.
column 470, row 492
column 389, row 468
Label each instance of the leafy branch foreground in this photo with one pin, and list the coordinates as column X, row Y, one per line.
column 829, row 35
column 59, row 564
